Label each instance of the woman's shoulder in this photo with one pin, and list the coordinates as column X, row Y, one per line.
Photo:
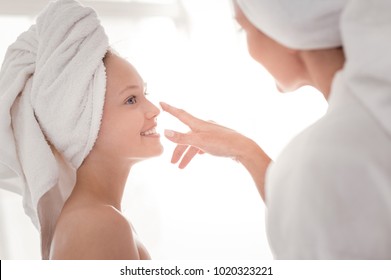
column 93, row 232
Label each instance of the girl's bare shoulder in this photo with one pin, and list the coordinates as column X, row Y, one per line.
column 93, row 232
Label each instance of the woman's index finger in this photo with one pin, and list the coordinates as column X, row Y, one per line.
column 180, row 114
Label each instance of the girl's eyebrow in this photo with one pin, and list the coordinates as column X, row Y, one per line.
column 131, row 87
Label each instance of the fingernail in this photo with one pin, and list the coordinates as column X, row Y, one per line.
column 169, row 133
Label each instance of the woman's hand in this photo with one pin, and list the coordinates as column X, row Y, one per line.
column 209, row 137
column 204, row 137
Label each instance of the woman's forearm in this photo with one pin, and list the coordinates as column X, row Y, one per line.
column 255, row 160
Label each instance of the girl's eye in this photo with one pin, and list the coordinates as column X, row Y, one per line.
column 131, row 100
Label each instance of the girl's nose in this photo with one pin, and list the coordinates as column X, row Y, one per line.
column 152, row 111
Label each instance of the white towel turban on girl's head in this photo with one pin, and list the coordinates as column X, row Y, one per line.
column 52, row 88
column 297, row 24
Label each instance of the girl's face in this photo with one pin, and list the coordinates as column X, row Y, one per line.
column 282, row 63
column 129, row 118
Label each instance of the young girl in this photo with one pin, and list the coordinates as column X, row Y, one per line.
column 74, row 120
column 91, row 225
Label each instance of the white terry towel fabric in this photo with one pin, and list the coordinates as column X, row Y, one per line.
column 52, row 88
column 297, row 24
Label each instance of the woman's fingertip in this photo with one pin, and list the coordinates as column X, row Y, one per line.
column 169, row 133
column 164, row 105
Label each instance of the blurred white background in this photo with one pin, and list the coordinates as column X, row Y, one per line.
column 193, row 56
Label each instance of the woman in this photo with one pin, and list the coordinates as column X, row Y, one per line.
column 75, row 119
column 328, row 194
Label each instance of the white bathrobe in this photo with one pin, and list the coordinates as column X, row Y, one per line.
column 329, row 191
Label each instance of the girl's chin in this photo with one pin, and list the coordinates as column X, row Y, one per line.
column 153, row 152
column 159, row 151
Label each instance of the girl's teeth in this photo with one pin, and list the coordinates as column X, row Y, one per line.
column 149, row 132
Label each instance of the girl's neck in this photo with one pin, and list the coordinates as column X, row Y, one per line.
column 102, row 182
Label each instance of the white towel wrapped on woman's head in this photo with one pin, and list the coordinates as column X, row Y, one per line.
column 297, row 24
column 357, row 26
column 52, row 89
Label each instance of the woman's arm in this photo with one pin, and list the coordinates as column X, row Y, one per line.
column 255, row 160
column 217, row 140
